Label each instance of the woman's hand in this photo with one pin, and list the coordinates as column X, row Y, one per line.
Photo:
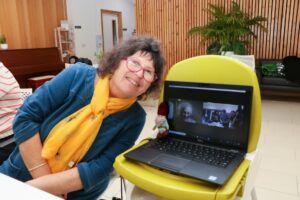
column 60, row 183
column 36, row 185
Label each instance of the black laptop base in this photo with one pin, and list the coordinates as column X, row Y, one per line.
column 178, row 164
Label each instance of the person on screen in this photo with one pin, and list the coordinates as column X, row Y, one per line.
column 236, row 118
column 224, row 118
column 186, row 112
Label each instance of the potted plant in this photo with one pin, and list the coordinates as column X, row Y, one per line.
column 227, row 30
column 3, row 44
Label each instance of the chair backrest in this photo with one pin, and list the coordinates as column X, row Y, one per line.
column 222, row 70
column 25, row 92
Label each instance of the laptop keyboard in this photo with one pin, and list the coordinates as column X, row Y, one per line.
column 197, row 152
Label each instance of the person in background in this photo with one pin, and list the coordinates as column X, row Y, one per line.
column 10, row 101
column 84, row 60
column 70, row 130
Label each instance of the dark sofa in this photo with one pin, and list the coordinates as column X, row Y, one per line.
column 276, row 86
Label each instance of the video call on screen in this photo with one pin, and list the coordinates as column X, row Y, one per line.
column 208, row 113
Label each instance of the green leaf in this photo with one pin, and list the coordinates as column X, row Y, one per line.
column 228, row 28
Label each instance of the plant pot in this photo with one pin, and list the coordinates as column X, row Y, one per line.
column 227, row 53
column 3, row 46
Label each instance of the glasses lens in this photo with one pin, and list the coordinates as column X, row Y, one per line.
column 149, row 75
column 133, row 65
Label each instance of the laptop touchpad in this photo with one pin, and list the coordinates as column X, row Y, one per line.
column 170, row 162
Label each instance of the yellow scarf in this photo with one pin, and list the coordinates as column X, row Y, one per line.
column 71, row 138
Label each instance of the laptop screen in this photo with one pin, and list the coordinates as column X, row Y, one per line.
column 213, row 113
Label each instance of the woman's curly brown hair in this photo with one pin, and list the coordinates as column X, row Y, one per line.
column 147, row 45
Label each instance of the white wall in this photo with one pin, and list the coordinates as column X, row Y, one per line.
column 86, row 13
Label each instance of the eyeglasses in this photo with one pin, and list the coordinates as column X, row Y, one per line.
column 134, row 66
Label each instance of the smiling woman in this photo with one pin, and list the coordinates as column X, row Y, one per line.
column 142, row 52
column 68, row 138
column 131, row 79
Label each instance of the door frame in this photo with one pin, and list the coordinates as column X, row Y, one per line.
column 120, row 27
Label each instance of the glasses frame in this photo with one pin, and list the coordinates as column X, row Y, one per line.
column 141, row 68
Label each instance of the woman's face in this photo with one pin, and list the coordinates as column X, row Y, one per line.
column 125, row 83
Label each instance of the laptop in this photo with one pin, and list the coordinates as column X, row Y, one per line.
column 208, row 135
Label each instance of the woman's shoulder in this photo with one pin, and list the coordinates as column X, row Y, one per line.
column 81, row 74
column 137, row 110
column 139, row 107
column 81, row 68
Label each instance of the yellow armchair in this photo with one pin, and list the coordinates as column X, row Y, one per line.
column 209, row 69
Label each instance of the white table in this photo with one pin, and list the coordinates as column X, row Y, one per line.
column 13, row 189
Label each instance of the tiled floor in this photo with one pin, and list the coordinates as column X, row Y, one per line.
column 278, row 177
column 279, row 172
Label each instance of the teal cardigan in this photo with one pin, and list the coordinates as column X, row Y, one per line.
column 66, row 93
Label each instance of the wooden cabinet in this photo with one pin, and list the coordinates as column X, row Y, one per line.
column 64, row 40
column 28, row 63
